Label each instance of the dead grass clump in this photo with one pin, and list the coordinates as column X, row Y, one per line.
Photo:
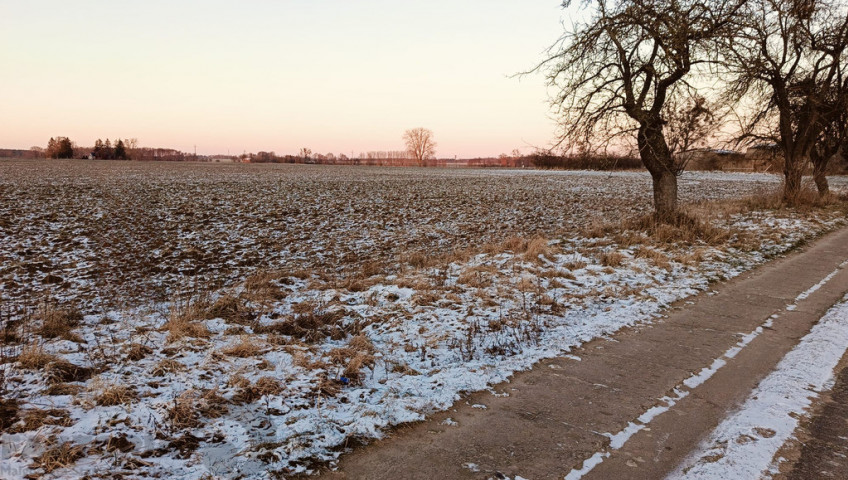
column 690, row 258
column 599, row 229
column 612, row 259
column 358, row 354
column 34, row 357
column 537, row 248
column 167, row 366
column 62, row 371
column 59, row 322
column 183, row 413
column 57, row 457
column 479, row 276
column 655, row 256
column 515, row 245
column 232, row 309
column 773, row 199
column 682, row 228
column 183, row 322
column 310, row 327
column 425, row 298
column 137, row 351
column 8, row 413
column 263, row 386
column 116, row 395
column 262, row 287
column 575, row 265
column 245, row 348
column 36, row 418
column 212, row 405
column 57, row 389
column 417, row 260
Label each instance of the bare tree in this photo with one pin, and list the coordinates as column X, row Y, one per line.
column 786, row 59
column 616, row 71
column 305, row 153
column 420, row 144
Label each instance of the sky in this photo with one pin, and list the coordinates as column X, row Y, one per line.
column 335, row 76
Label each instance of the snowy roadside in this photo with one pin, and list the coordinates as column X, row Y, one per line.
column 323, row 366
column 745, row 443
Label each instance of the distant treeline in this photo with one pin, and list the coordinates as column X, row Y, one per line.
column 585, row 162
column 128, row 149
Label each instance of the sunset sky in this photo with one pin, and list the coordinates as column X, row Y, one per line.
column 335, row 76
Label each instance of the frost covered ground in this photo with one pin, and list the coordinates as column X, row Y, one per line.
column 187, row 321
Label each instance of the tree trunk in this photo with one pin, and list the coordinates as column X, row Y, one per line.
column 820, row 173
column 793, row 170
column 656, row 156
column 665, row 195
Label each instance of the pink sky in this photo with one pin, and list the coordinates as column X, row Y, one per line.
column 335, row 76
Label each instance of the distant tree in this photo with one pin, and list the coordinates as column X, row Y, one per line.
column 60, row 147
column 132, row 147
column 305, row 153
column 120, row 152
column 420, row 144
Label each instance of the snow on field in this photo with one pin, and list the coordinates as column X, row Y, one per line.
column 287, row 364
column 745, row 443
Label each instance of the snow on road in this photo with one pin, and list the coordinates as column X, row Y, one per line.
column 745, row 443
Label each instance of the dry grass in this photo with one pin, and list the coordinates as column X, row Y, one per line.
column 62, row 371
column 167, row 366
column 36, row 418
column 245, row 348
column 685, row 228
column 137, row 351
column 56, row 457
column 612, row 259
column 537, row 248
column 115, row 395
column 263, row 386
column 59, row 322
column 312, row 325
column 33, row 357
column 655, row 256
column 183, row 321
column 63, row 389
column 233, row 309
column 183, row 413
column 262, row 287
